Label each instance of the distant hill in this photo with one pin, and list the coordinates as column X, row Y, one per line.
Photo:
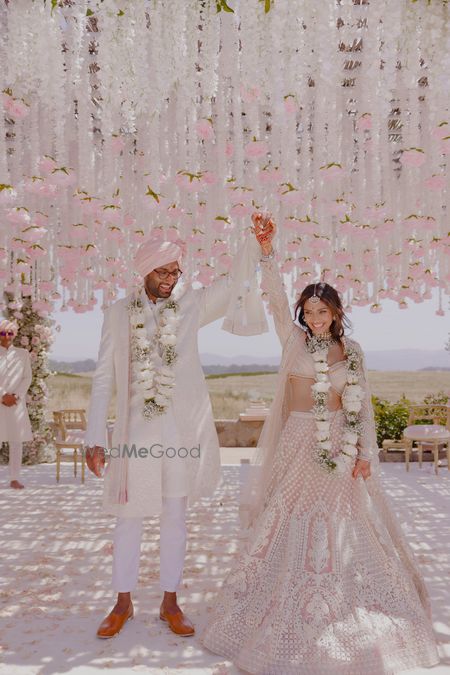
column 84, row 366
column 396, row 359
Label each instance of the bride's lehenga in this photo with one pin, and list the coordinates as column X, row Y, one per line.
column 326, row 582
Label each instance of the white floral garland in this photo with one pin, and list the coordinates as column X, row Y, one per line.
column 351, row 402
column 155, row 383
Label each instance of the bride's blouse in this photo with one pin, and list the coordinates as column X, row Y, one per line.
column 302, row 376
column 301, row 379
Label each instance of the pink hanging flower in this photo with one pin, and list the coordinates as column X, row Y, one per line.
column 190, row 182
column 18, row 215
column 26, row 290
column 128, row 220
column 117, row 144
column 7, row 194
column 269, row 176
column 338, row 207
column 225, row 261
column 288, row 265
column 290, row 195
column 445, row 145
column 250, row 94
column 209, row 178
column 63, row 176
column 332, row 171
column 440, row 312
column 220, row 225
column 441, row 131
column 290, row 105
column 218, row 248
column 414, row 157
column 435, row 183
column 205, row 275
column 47, row 164
column 364, row 122
column 240, row 210
column 256, row 149
column 293, row 246
column 229, row 149
column 205, row 130
column 172, row 234
column 16, row 108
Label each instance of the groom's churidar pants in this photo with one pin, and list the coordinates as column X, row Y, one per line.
column 172, row 547
column 15, row 459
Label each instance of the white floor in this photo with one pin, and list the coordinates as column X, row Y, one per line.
column 56, row 563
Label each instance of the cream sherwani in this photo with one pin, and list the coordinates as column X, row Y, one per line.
column 15, row 378
column 188, row 423
column 15, row 425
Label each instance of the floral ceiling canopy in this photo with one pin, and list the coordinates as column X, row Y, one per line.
column 184, row 115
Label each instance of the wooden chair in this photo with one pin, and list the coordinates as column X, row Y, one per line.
column 429, row 437
column 70, row 426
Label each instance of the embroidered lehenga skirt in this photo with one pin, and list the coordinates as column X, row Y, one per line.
column 326, row 583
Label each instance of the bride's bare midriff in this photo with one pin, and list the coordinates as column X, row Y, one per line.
column 300, row 398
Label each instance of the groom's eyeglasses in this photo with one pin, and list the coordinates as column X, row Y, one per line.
column 164, row 274
column 9, row 333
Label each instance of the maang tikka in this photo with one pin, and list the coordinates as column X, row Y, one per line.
column 315, row 298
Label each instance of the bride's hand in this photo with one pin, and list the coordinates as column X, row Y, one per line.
column 362, row 468
column 264, row 229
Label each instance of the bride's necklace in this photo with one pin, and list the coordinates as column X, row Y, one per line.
column 319, row 341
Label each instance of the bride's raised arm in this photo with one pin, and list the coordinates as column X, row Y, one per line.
column 271, row 278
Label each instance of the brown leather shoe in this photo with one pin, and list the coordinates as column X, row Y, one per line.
column 113, row 623
column 178, row 623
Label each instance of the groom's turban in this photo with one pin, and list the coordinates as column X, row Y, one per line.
column 6, row 325
column 154, row 253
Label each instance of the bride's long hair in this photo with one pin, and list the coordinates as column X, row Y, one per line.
column 331, row 298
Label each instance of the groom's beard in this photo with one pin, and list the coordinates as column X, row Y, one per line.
column 154, row 288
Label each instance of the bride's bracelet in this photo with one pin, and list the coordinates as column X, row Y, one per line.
column 269, row 256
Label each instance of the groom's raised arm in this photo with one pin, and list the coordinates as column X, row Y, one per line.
column 102, row 386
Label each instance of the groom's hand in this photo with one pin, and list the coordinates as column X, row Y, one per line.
column 95, row 459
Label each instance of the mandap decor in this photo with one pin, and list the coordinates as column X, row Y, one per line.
column 184, row 115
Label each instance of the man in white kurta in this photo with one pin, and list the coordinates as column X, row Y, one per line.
column 176, row 457
column 15, row 380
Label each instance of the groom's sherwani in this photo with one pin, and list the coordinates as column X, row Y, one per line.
column 188, row 422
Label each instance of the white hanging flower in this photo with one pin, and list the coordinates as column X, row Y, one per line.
column 321, row 387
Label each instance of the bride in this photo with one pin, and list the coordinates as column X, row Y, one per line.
column 325, row 582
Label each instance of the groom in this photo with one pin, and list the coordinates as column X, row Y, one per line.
column 165, row 452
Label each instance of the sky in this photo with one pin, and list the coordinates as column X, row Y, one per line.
column 417, row 327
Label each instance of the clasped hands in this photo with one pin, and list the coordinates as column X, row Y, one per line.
column 9, row 400
column 95, row 459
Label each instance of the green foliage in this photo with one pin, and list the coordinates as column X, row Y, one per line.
column 390, row 418
column 441, row 398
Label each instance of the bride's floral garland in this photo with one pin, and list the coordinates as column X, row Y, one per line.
column 155, row 383
column 351, row 402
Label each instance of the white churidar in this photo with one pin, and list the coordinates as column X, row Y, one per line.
column 127, row 546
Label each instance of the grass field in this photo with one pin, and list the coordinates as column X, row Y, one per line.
column 231, row 394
